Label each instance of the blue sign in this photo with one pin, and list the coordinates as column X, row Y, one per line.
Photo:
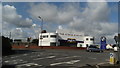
column 111, row 55
column 71, row 40
column 103, row 43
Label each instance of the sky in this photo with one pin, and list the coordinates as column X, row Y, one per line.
column 92, row 18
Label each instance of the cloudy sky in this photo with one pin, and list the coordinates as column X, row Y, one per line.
column 93, row 18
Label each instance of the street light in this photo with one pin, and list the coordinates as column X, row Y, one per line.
column 41, row 23
column 41, row 30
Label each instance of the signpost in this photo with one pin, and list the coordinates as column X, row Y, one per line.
column 103, row 42
column 112, row 58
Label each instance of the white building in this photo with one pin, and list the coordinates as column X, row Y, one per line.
column 48, row 39
column 65, row 38
column 88, row 40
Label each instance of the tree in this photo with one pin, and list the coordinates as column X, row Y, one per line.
column 6, row 46
column 35, row 41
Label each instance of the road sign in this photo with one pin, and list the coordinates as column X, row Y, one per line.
column 111, row 54
column 112, row 58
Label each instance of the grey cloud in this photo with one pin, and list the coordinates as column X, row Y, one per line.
column 54, row 14
column 11, row 16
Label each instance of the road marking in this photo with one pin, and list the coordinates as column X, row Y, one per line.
column 14, row 60
column 6, row 61
column 92, row 58
column 38, row 58
column 15, row 63
column 102, row 63
column 69, row 62
column 25, row 54
column 67, row 57
column 28, row 64
column 49, row 57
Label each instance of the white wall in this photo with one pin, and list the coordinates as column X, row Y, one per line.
column 46, row 40
column 88, row 41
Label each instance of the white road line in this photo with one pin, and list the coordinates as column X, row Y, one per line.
column 66, row 57
column 28, row 64
column 6, row 61
column 25, row 54
column 102, row 63
column 14, row 60
column 92, row 58
column 38, row 58
column 49, row 57
column 15, row 63
column 69, row 62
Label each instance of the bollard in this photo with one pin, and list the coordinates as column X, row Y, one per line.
column 113, row 58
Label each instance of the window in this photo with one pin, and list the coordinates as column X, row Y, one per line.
column 80, row 45
column 41, row 37
column 86, row 38
column 86, row 45
column 45, row 36
column 53, row 36
column 91, row 39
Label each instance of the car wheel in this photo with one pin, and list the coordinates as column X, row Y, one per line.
column 101, row 51
column 90, row 50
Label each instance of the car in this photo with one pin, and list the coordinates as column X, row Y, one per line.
column 116, row 49
column 93, row 49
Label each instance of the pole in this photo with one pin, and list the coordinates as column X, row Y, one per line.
column 41, row 30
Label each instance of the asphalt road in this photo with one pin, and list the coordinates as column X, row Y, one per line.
column 54, row 58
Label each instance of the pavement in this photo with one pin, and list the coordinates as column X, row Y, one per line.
column 57, row 58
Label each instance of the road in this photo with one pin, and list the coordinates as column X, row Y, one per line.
column 55, row 58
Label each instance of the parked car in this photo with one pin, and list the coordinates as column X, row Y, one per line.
column 93, row 49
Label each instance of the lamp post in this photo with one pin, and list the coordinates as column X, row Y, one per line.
column 41, row 30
